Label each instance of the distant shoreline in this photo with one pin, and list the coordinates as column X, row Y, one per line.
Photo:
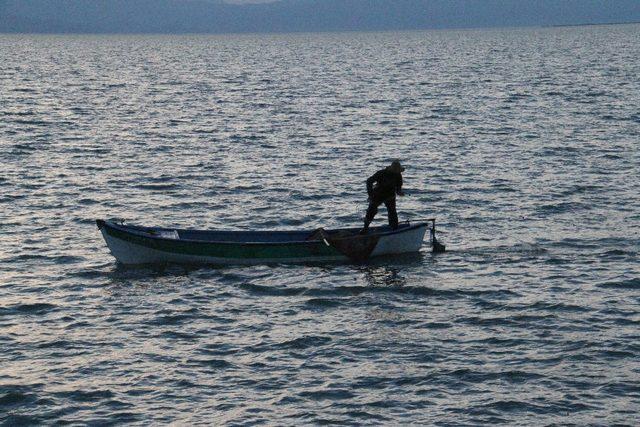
column 328, row 31
column 590, row 24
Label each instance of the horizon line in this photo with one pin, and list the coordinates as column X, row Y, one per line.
column 185, row 33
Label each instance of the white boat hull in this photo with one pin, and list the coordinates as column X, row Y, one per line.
column 142, row 247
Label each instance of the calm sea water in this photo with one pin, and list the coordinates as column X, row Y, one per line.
column 524, row 144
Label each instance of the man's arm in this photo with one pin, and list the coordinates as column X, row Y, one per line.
column 399, row 191
column 370, row 181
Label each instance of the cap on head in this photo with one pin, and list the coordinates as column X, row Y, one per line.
column 396, row 166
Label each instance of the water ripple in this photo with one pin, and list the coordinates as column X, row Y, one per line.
column 522, row 142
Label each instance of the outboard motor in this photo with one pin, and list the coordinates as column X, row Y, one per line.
column 436, row 246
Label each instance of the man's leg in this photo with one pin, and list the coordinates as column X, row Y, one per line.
column 391, row 212
column 372, row 210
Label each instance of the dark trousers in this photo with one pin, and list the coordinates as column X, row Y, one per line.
column 376, row 201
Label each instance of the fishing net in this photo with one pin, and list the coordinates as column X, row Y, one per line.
column 356, row 247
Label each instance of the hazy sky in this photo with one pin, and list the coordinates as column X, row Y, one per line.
column 220, row 16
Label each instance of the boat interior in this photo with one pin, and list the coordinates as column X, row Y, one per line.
column 253, row 236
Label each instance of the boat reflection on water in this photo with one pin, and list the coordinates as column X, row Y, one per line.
column 392, row 271
column 384, row 276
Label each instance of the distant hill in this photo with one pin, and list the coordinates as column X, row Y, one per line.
column 215, row 16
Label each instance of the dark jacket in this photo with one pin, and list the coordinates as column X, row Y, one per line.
column 387, row 184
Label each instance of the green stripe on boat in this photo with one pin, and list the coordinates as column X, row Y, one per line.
column 229, row 249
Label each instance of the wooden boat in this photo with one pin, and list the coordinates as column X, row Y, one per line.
column 131, row 244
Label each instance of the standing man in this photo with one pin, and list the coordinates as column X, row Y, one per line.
column 382, row 187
